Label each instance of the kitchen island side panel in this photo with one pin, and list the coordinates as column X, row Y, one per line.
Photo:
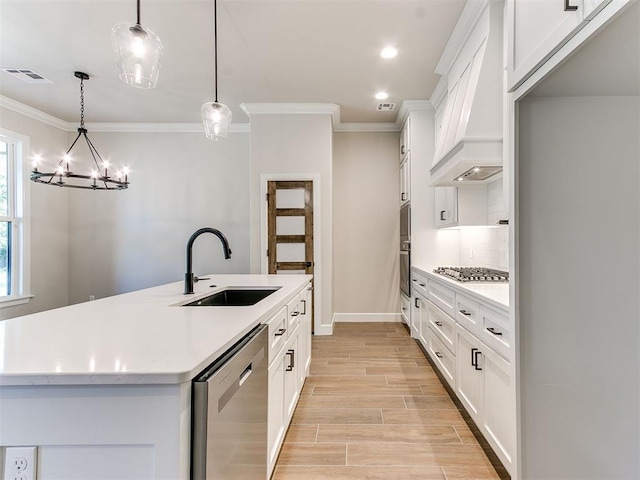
column 579, row 278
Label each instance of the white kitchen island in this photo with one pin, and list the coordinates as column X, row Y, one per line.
column 103, row 388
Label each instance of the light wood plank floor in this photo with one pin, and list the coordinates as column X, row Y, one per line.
column 373, row 408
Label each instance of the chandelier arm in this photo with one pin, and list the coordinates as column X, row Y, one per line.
column 71, row 147
column 93, row 151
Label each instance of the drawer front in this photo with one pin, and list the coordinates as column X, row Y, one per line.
column 443, row 358
column 495, row 331
column 405, row 309
column 443, row 326
column 468, row 313
column 278, row 332
column 419, row 284
column 293, row 310
column 442, row 296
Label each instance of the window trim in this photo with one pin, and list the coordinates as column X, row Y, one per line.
column 21, row 225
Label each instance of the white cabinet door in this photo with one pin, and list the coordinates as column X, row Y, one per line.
column 469, row 374
column 276, row 422
column 421, row 323
column 498, row 418
column 446, row 206
column 405, row 139
column 405, row 309
column 417, row 304
column 405, row 180
column 537, row 28
column 306, row 307
column 291, row 359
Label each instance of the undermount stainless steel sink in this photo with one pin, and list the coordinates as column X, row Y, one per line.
column 234, row 297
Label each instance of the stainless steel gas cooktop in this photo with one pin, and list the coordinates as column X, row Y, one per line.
column 473, row 274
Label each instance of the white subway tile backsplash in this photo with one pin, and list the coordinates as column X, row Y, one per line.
column 485, row 247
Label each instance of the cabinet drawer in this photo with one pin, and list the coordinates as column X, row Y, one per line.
column 419, row 283
column 405, row 309
column 442, row 357
column 293, row 311
column 442, row 296
column 278, row 329
column 495, row 330
column 443, row 326
column 468, row 313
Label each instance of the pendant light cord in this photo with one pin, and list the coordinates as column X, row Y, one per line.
column 215, row 41
column 138, row 23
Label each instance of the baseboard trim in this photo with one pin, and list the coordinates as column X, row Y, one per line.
column 366, row 317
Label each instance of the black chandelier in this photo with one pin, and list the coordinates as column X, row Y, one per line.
column 98, row 179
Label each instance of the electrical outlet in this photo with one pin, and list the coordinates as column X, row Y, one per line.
column 92, row 298
column 20, row 463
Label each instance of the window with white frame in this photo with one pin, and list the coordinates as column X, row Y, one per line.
column 13, row 250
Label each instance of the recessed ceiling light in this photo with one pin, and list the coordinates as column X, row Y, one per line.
column 389, row 52
column 382, row 95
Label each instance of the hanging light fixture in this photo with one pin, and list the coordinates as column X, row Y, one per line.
column 97, row 179
column 137, row 52
column 215, row 115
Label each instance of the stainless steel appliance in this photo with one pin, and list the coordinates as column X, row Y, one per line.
column 473, row 274
column 229, row 420
column 405, row 250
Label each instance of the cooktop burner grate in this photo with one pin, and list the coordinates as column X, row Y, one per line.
column 473, row 274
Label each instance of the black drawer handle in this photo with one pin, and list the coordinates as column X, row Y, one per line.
column 291, row 354
column 423, row 285
column 465, row 313
column 404, row 196
column 438, row 354
column 493, row 330
column 295, row 314
column 280, row 332
column 439, row 324
column 569, row 8
column 304, row 302
column 416, row 302
column 404, row 309
column 414, row 280
column 402, row 150
column 442, row 217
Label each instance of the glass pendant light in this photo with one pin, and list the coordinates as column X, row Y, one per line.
column 216, row 116
column 138, row 52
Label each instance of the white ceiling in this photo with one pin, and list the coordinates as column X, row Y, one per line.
column 283, row 51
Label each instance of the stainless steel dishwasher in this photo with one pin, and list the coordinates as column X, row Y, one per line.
column 229, row 420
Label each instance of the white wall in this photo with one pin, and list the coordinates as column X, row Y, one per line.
column 128, row 240
column 366, row 229
column 296, row 144
column 579, row 276
column 49, row 219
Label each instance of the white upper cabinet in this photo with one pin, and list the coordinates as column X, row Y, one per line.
column 536, row 29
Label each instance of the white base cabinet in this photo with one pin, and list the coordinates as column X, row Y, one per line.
column 483, row 385
column 288, row 369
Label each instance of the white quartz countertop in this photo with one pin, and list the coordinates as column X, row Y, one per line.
column 140, row 337
column 495, row 294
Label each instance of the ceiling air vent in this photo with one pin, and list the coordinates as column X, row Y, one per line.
column 26, row 75
column 386, row 107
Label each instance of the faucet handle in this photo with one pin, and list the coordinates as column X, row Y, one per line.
column 197, row 279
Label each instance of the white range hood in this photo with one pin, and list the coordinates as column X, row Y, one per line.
column 469, row 143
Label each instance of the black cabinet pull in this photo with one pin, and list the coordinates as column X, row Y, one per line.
column 422, row 285
column 402, row 150
column 291, row 354
column 295, row 314
column 404, row 196
column 414, row 280
column 569, row 8
column 280, row 332
column 465, row 313
column 493, row 330
column 416, row 302
column 304, row 302
column 438, row 354
column 442, row 212
column 474, row 358
column 439, row 324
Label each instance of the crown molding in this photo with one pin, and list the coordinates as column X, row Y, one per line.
column 294, row 109
column 468, row 19
column 367, row 127
column 34, row 113
column 409, row 106
column 160, row 127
